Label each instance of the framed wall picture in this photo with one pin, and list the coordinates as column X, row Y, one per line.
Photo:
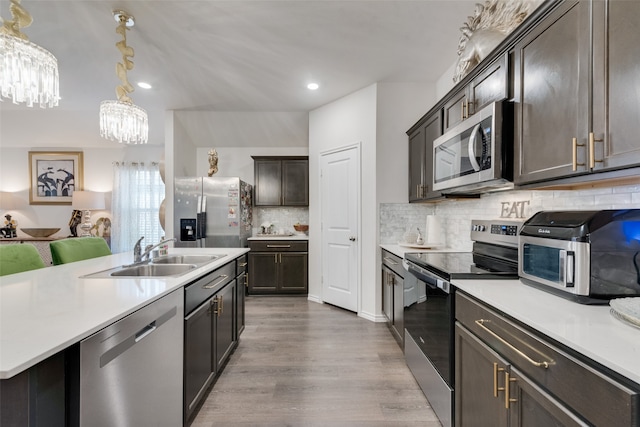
column 54, row 176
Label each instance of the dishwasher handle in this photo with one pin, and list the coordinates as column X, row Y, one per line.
column 127, row 343
column 144, row 332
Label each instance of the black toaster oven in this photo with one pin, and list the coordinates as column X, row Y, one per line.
column 587, row 256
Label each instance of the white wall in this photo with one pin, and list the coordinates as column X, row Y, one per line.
column 347, row 121
column 237, row 161
column 97, row 176
column 399, row 106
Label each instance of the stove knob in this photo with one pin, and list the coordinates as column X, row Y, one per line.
column 475, row 227
column 481, row 228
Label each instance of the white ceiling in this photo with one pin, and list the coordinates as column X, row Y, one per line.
column 235, row 55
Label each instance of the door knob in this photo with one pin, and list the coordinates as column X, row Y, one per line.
column 352, row 238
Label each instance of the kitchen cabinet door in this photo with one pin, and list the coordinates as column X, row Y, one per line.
column 456, row 109
column 293, row 273
column 199, row 366
column 241, row 287
column 417, row 163
column 268, row 180
column 616, row 110
column 479, row 383
column 552, row 96
column 263, row 272
column 531, row 406
column 421, row 158
column 397, row 324
column 488, row 86
column 295, row 182
column 224, row 324
column 387, row 295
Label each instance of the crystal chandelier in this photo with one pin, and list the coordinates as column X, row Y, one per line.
column 122, row 120
column 28, row 73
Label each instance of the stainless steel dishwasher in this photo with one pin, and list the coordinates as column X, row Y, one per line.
column 131, row 371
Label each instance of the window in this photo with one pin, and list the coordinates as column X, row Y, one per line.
column 138, row 192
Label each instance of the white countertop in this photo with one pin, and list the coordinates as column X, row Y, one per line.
column 401, row 250
column 280, row 237
column 587, row 329
column 47, row 310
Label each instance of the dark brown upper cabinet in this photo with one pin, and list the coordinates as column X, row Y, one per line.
column 576, row 109
column 281, row 181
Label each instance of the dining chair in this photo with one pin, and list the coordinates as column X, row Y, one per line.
column 16, row 258
column 78, row 249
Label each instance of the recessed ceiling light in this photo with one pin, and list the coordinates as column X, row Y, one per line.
column 313, row 86
column 144, row 85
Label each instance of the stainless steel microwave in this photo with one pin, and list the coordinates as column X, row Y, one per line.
column 472, row 156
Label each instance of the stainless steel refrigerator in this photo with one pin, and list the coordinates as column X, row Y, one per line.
column 212, row 212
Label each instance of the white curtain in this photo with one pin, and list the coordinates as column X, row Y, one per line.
column 138, row 191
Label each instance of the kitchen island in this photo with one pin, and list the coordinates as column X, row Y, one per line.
column 45, row 312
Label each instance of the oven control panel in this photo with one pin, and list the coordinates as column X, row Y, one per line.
column 505, row 230
column 502, row 232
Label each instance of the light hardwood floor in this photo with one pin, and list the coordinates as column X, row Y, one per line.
column 301, row 363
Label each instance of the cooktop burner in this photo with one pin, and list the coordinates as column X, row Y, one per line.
column 462, row 265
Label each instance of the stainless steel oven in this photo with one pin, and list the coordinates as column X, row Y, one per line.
column 471, row 157
column 429, row 318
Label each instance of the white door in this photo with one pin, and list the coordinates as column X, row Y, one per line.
column 340, row 204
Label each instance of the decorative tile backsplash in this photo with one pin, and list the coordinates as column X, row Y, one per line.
column 281, row 218
column 456, row 215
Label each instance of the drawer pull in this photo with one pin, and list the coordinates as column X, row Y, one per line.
column 543, row 364
column 390, row 261
column 279, row 246
column 213, row 285
column 244, row 264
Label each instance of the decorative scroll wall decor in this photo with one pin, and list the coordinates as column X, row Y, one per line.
column 489, row 25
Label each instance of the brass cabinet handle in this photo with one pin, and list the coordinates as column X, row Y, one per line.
column 575, row 145
column 507, row 381
column 221, row 306
column 462, row 111
column 543, row 364
column 496, row 389
column 417, row 191
column 244, row 264
column 592, row 150
column 390, row 261
column 222, row 277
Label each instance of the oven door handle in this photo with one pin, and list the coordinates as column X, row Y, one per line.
column 430, row 279
column 472, row 148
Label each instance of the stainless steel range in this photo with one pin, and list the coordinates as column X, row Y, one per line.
column 429, row 316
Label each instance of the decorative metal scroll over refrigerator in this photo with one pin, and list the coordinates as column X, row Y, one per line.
column 212, row 212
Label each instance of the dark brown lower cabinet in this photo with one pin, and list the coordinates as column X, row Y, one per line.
column 509, row 376
column 483, row 399
column 209, row 339
column 278, row 267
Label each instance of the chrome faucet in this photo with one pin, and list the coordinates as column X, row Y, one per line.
column 138, row 255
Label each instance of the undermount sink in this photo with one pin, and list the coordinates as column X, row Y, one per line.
column 154, row 270
column 185, row 259
column 163, row 266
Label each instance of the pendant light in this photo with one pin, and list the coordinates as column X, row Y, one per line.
column 28, row 73
column 122, row 120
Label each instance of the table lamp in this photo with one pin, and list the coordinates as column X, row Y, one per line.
column 87, row 201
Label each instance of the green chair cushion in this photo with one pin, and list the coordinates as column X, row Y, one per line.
column 19, row 257
column 78, row 249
